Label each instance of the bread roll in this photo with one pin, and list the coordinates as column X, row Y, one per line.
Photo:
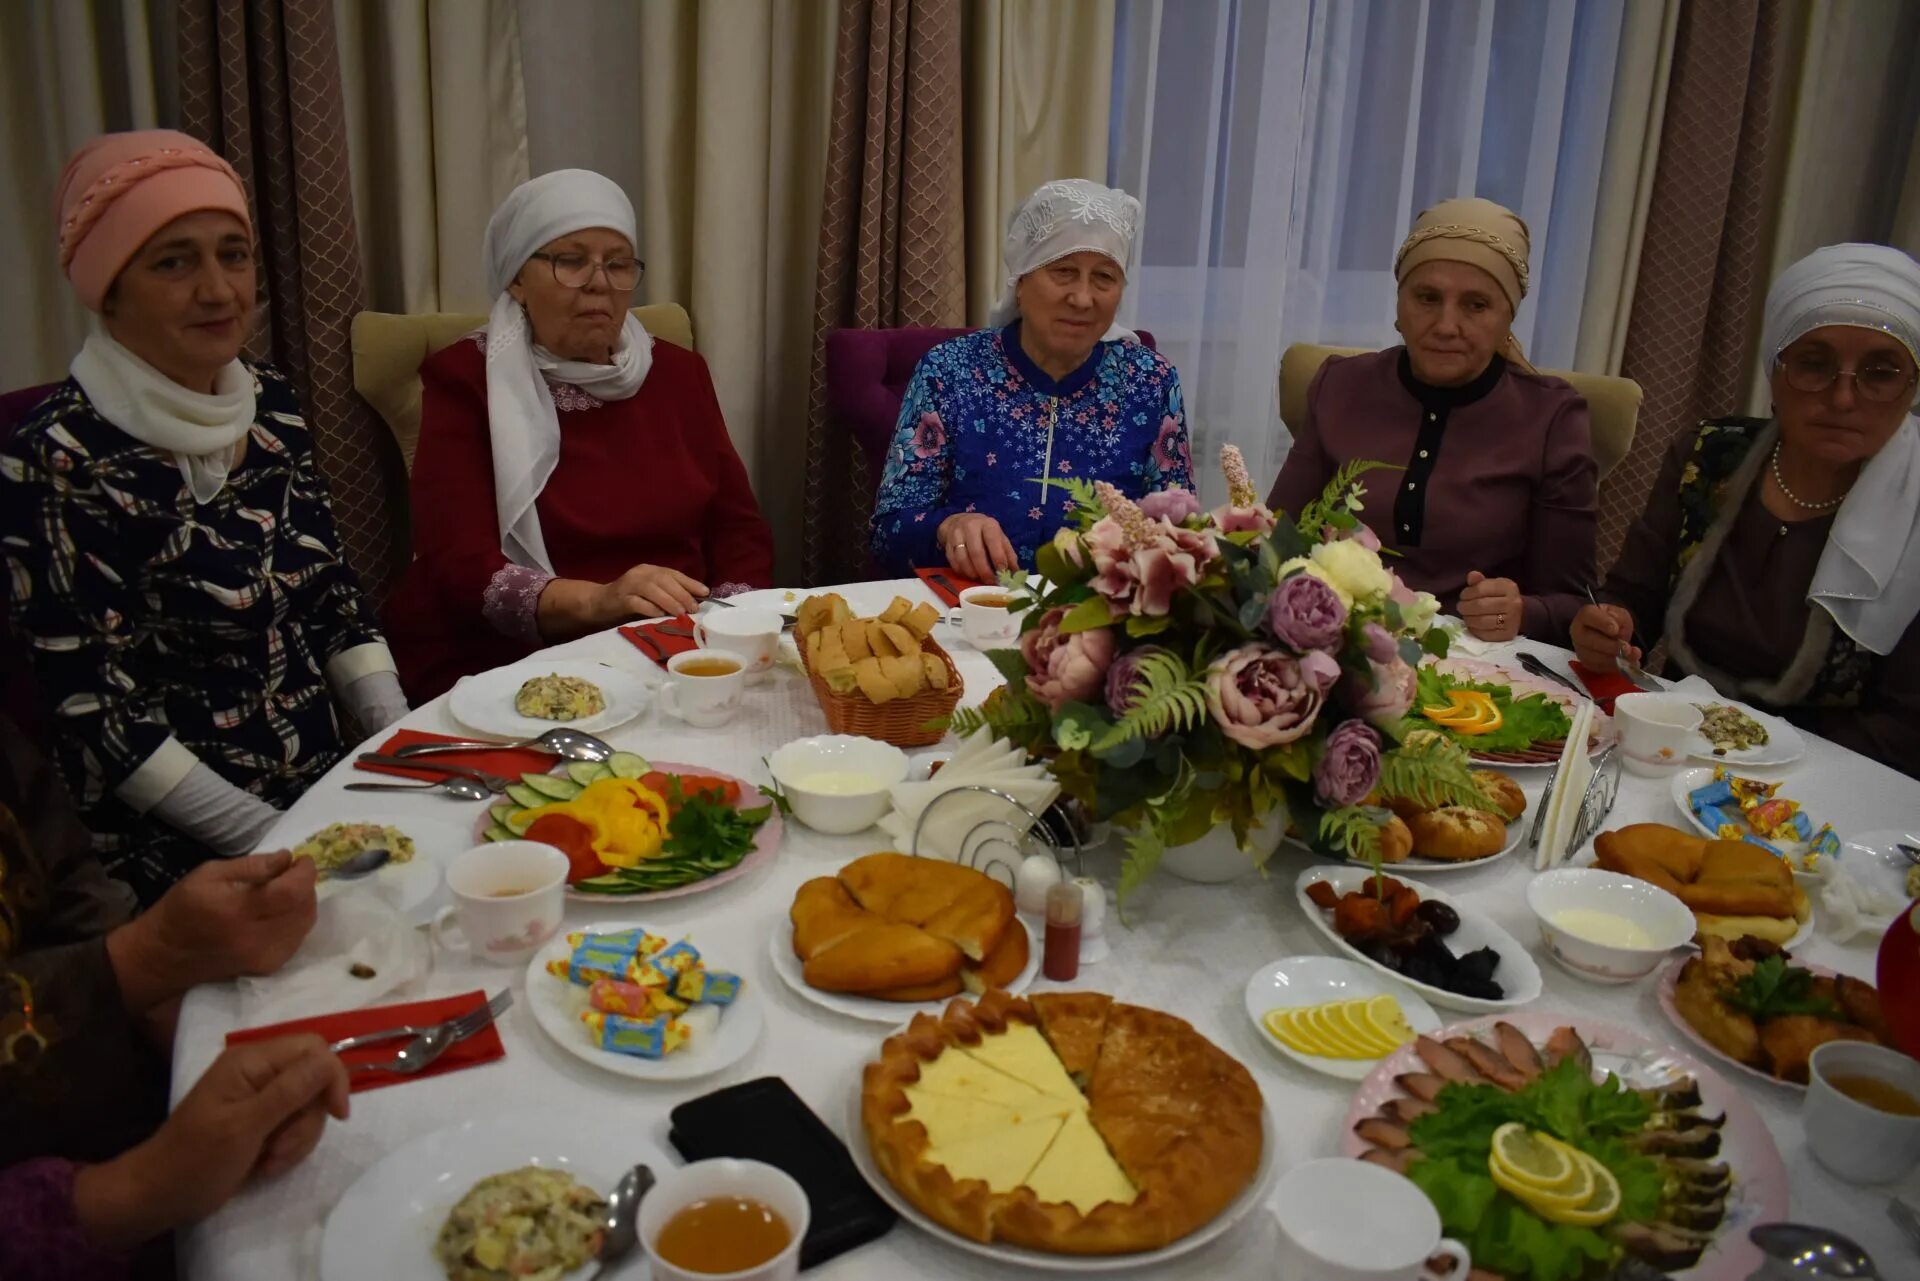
column 920, row 620
column 1457, row 833
column 1396, row 840
column 823, row 913
column 935, row 670
column 1502, row 791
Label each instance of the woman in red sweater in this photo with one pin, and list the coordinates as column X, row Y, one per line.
column 572, row 473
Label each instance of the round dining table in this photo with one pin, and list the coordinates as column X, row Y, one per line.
column 1187, row 948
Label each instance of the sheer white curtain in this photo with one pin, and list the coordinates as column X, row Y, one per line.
column 1282, row 150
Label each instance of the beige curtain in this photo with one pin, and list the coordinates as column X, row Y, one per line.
column 69, row 69
column 1039, row 84
column 1640, row 81
column 713, row 115
column 436, row 122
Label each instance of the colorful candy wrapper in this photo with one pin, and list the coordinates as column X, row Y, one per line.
column 1803, row 827
column 650, row 1038
column 1773, row 818
column 710, row 987
column 659, row 970
column 1768, row 846
column 1714, row 794
column 595, row 957
column 612, row 997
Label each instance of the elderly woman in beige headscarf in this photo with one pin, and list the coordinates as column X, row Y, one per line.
column 1494, row 510
column 994, row 421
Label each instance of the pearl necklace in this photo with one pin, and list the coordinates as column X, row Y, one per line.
column 1795, row 499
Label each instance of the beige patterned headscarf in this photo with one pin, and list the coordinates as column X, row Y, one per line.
column 1481, row 234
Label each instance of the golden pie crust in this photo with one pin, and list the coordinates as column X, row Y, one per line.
column 1180, row 1116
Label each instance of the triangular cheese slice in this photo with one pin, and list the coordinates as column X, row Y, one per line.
column 953, row 1075
column 1023, row 1054
column 1002, row 1158
column 1079, row 1170
column 951, row 1120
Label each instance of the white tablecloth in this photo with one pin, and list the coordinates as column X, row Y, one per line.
column 1190, row 951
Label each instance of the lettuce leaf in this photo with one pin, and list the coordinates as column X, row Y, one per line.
column 1524, row 721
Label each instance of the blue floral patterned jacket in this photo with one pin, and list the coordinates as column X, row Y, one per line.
column 982, row 425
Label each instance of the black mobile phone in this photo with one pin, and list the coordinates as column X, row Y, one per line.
column 765, row 1120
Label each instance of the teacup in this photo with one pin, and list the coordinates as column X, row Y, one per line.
column 726, row 1177
column 1347, row 1220
column 704, row 686
column 984, row 617
column 1857, row 1141
column 752, row 634
column 507, row 900
column 1656, row 731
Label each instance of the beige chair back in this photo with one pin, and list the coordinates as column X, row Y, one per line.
column 388, row 350
column 1613, row 404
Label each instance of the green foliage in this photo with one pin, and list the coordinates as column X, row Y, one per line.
column 1168, row 698
column 1089, row 615
column 1432, row 772
column 1437, row 641
column 1056, row 568
column 1775, row 989
column 1354, row 829
column 1144, row 848
column 1334, row 498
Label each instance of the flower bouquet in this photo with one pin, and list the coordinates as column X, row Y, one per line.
column 1180, row 669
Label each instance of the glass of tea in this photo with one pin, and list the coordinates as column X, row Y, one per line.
column 1863, row 1111
column 986, row 618
column 704, row 686
column 741, row 1220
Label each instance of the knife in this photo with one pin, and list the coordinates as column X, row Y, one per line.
column 493, row 782
column 1538, row 668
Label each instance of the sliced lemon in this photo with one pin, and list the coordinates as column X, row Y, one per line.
column 1602, row 1205
column 1288, row 1029
column 1522, row 1161
column 1351, row 1017
column 1384, row 1015
column 1345, row 1046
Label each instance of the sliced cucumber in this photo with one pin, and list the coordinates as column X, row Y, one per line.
column 560, row 789
column 518, row 821
column 627, row 765
column 526, row 797
column 501, row 813
column 587, row 773
column 500, row 832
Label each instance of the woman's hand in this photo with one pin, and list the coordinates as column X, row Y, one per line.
column 1491, row 607
column 1602, row 633
column 976, row 547
column 650, row 591
column 257, row 1112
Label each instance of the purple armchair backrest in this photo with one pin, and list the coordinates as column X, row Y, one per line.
column 18, row 698
column 867, row 375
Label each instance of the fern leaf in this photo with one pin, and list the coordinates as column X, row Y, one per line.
column 1433, row 772
column 1144, row 847
column 1315, row 515
column 1356, row 830
column 1166, row 698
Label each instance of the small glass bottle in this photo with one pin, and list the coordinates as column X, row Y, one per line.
column 1061, row 959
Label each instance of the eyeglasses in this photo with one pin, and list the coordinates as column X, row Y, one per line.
column 574, row 271
column 1814, row 373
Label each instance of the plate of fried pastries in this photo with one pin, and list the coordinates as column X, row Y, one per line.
column 1447, row 838
column 1736, row 889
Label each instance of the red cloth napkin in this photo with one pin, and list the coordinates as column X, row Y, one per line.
column 1604, row 686
column 508, row 762
column 947, row 584
column 661, row 641
column 482, row 1047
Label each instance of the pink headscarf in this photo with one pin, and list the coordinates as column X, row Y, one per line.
column 120, row 188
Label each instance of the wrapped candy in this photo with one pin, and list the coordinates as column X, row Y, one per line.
column 612, row 997
column 708, row 987
column 1768, row 846
column 1773, row 818
column 650, row 1038
column 596, row 957
column 1712, row 796
column 1803, row 827
column 659, row 970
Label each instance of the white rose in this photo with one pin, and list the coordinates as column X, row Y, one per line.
column 1419, row 616
column 1302, row 564
column 1354, row 570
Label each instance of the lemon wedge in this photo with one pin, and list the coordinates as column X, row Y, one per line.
column 1602, row 1205
column 1384, row 1015
column 1525, row 1163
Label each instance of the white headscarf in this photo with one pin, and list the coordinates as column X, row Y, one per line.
column 1064, row 217
column 521, row 418
column 1869, row 576
column 199, row 429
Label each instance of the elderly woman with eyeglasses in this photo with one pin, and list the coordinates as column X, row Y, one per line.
column 1780, row 558
column 995, row 421
column 572, row 473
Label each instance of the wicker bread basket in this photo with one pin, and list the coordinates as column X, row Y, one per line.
column 903, row 721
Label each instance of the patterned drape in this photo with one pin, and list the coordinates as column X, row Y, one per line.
column 260, row 82
column 889, row 234
column 1703, row 262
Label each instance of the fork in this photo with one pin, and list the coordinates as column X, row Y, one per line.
column 430, row 1044
column 1912, row 854
column 1626, row 666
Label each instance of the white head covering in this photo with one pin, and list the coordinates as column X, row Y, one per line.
column 1869, row 576
column 1068, row 216
column 521, row 418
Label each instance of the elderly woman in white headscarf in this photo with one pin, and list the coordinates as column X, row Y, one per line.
column 1780, row 558
column 572, row 473
column 1053, row 391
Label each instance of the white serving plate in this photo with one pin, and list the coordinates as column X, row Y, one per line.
column 1517, row 974
column 385, row 1224
column 557, row 1006
column 1690, row 780
column 411, row 887
column 1249, row 1199
column 1784, row 743
column 1416, row 865
column 1316, row 980
column 1670, row 982
column 485, row 702
column 791, row 971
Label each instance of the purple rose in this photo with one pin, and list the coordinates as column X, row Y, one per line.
column 1306, row 613
column 1383, row 693
column 1172, row 505
column 1349, row 766
column 1381, row 646
column 1065, row 669
column 1121, row 676
column 1262, row 697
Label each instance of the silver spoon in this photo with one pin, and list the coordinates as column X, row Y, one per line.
column 570, row 744
column 361, row 864
column 464, row 789
column 1800, row 1249
column 623, row 1213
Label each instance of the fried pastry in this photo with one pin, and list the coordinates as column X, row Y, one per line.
column 1456, row 833
column 1502, row 791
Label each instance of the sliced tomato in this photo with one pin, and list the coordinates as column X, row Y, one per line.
column 725, row 790
column 574, row 839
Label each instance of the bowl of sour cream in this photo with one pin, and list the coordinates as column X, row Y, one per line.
column 1607, row 927
column 838, row 783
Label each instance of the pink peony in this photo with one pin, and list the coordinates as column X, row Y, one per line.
column 929, row 435
column 1305, row 613
column 1383, row 694
column 1121, row 695
column 1065, row 669
column 1262, row 697
column 1172, row 505
column 1349, row 766
column 1139, row 564
column 1381, row 646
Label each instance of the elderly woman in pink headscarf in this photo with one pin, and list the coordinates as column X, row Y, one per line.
column 176, row 576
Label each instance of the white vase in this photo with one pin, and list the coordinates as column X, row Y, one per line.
column 1216, row 858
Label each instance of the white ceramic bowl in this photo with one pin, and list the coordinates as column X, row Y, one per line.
column 1660, row 914
column 838, row 813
